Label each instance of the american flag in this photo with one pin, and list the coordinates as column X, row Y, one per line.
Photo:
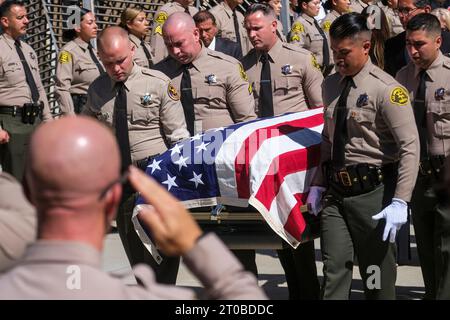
column 267, row 163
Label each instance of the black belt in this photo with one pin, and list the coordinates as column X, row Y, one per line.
column 432, row 165
column 358, row 179
column 12, row 111
column 142, row 164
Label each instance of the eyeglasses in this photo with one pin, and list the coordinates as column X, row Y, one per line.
column 122, row 180
column 406, row 11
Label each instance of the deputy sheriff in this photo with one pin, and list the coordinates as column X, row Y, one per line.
column 307, row 33
column 390, row 9
column 370, row 158
column 78, row 65
column 156, row 40
column 145, row 111
column 284, row 79
column 426, row 77
column 230, row 23
column 134, row 20
column 214, row 88
column 23, row 100
column 335, row 9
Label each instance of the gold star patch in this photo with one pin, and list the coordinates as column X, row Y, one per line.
column 326, row 26
column 297, row 27
column 314, row 62
column 65, row 57
column 295, row 37
column 243, row 73
column 399, row 96
column 161, row 17
column 172, row 92
column 158, row 29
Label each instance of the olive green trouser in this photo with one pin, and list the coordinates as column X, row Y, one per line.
column 431, row 222
column 13, row 154
column 347, row 229
column 167, row 271
column 299, row 266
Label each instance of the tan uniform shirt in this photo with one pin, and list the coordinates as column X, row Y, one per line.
column 225, row 24
column 152, row 105
column 75, row 71
column 280, row 31
column 395, row 25
column 357, row 6
column 326, row 24
column 17, row 221
column 380, row 125
column 437, row 101
column 48, row 272
column 296, row 82
column 220, row 88
column 156, row 39
column 14, row 90
column 305, row 34
column 139, row 54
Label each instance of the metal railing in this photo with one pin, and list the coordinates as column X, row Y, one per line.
column 48, row 22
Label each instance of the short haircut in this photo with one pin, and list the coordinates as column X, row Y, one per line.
column 426, row 22
column 350, row 25
column 5, row 7
column 421, row 3
column 203, row 16
column 260, row 7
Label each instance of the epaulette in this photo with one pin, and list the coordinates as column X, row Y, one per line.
column 155, row 74
column 222, row 56
column 296, row 48
column 384, row 77
column 446, row 63
column 69, row 45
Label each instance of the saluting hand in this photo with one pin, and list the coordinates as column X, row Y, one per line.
column 172, row 226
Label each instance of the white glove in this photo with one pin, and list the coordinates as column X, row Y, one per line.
column 396, row 215
column 314, row 200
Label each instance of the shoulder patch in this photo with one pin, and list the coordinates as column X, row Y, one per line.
column 161, row 17
column 314, row 62
column 172, row 92
column 65, row 57
column 326, row 26
column 297, row 27
column 399, row 96
column 158, row 30
column 243, row 73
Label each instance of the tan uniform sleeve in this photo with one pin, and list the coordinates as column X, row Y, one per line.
column 221, row 274
column 156, row 40
column 171, row 115
column 398, row 115
column 64, row 78
column 312, row 84
column 239, row 96
column 46, row 113
column 297, row 33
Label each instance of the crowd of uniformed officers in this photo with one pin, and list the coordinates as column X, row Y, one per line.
column 379, row 70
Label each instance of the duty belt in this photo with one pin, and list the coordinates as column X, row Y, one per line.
column 12, row 111
column 357, row 179
column 432, row 165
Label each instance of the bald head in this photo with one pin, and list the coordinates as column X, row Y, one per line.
column 182, row 37
column 116, row 52
column 69, row 159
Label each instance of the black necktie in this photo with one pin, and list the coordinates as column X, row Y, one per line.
column 187, row 100
column 340, row 131
column 325, row 49
column 265, row 104
column 236, row 30
column 186, row 9
column 147, row 53
column 28, row 75
column 94, row 58
column 420, row 113
column 121, row 124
